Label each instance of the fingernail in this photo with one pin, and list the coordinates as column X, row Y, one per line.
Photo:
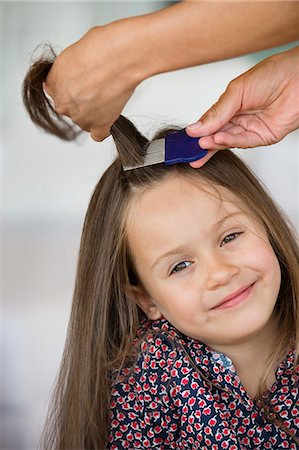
column 50, row 99
column 203, row 144
column 194, row 126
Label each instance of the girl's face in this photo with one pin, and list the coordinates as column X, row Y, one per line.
column 204, row 262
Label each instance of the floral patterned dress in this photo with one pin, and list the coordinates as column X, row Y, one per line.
column 164, row 402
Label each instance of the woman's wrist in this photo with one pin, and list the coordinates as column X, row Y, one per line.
column 140, row 44
column 127, row 43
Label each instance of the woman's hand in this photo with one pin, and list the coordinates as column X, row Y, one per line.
column 258, row 108
column 93, row 79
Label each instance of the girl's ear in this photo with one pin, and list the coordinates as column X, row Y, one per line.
column 144, row 301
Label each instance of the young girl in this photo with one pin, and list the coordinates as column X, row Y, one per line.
column 184, row 326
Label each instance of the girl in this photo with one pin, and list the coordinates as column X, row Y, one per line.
column 184, row 326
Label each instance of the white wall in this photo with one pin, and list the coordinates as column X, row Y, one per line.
column 47, row 185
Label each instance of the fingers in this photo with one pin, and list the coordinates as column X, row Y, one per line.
column 223, row 140
column 220, row 141
column 49, row 98
column 243, row 131
column 202, row 161
column 99, row 134
column 220, row 113
column 245, row 139
column 208, row 143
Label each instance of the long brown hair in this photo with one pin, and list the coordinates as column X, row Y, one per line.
column 104, row 319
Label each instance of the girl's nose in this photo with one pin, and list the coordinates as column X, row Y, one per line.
column 220, row 271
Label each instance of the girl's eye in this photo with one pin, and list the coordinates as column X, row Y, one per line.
column 230, row 237
column 181, row 266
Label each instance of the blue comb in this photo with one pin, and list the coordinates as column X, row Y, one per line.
column 176, row 147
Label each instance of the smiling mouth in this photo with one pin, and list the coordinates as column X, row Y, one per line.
column 235, row 298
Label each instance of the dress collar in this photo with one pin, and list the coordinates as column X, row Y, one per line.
column 217, row 367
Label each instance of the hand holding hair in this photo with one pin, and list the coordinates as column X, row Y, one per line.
column 92, row 83
column 92, row 80
column 260, row 107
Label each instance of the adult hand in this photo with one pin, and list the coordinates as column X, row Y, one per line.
column 92, row 80
column 260, row 107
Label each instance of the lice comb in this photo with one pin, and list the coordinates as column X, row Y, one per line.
column 176, row 147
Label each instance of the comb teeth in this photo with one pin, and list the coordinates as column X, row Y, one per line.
column 155, row 154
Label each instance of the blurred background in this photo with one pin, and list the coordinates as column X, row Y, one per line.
column 47, row 185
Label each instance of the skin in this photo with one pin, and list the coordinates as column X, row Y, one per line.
column 211, row 260
column 260, row 107
column 92, row 80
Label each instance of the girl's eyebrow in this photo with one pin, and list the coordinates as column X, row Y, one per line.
column 176, row 251
column 228, row 216
column 182, row 248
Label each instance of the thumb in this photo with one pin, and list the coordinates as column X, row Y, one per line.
column 228, row 104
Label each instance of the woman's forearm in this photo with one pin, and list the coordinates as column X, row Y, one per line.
column 92, row 79
column 198, row 32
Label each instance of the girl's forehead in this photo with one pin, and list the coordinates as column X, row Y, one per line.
column 178, row 188
column 178, row 196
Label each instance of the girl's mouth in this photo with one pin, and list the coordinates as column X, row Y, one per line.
column 235, row 298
